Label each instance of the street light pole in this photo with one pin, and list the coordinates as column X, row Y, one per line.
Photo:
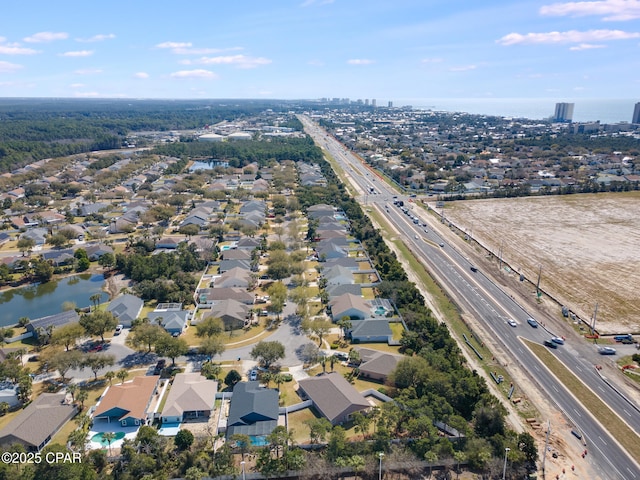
column 504, row 469
column 242, row 465
column 380, row 455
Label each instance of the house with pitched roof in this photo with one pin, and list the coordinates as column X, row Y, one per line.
column 333, row 396
column 211, row 296
column 377, row 365
column 253, row 410
column 171, row 317
column 232, row 313
column 191, row 396
column 126, row 308
column 371, row 330
column 129, row 402
column 51, row 321
column 38, row 423
column 348, row 305
column 236, row 277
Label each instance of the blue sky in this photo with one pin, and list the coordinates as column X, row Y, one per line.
column 383, row 49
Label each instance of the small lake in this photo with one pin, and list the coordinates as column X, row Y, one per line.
column 35, row 301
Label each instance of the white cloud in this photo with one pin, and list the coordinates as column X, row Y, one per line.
column 360, row 61
column 316, row 63
column 141, row 75
column 463, row 68
column 571, row 36
column 46, row 37
column 97, row 38
column 610, row 10
column 8, row 67
column 241, row 61
column 174, row 45
column 77, row 53
column 88, row 71
column 431, row 60
column 77, row 85
column 15, row 49
column 198, row 73
column 586, row 46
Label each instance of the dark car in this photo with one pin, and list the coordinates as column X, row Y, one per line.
column 159, row 366
column 532, row 322
column 550, row 344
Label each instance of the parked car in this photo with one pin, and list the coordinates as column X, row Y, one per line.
column 253, row 375
column 159, row 366
column 118, row 330
column 532, row 322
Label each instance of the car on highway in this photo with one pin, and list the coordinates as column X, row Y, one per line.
column 558, row 340
column 416, row 237
column 473, row 268
column 512, row 322
column 253, row 375
column 532, row 322
column 442, row 245
column 550, row 344
column 606, row 351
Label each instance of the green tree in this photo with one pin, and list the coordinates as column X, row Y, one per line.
column 146, row 334
column 109, row 437
column 67, row 335
column 95, row 300
column 210, row 370
column 267, row 352
column 211, row 346
column 98, row 322
column 110, row 375
column 82, row 397
column 42, row 270
column 25, row 245
column 98, row 361
column 232, row 378
column 183, row 439
column 171, row 347
column 318, row 429
column 65, row 361
column 122, row 375
column 318, row 327
column 209, row 327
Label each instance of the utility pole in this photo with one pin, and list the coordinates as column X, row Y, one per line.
column 593, row 323
column 538, row 282
column 500, row 256
column 546, row 446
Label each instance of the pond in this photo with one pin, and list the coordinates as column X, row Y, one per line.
column 35, row 301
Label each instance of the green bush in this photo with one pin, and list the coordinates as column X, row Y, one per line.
column 287, row 377
column 335, row 345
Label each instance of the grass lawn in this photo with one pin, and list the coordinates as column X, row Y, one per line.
column 381, row 347
column 296, row 423
column 367, row 293
column 364, row 266
column 63, row 434
column 600, row 410
column 396, row 328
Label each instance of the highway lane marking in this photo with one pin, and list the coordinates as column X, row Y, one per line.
column 625, row 411
column 520, row 350
column 578, row 368
column 602, row 440
column 554, row 387
column 634, row 475
column 577, row 412
column 601, row 389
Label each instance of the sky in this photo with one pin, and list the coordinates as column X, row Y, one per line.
column 305, row 49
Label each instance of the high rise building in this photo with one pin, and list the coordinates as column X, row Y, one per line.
column 636, row 114
column 390, row 104
column 564, row 112
column 373, row 102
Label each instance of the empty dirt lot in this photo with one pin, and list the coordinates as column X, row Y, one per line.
column 588, row 247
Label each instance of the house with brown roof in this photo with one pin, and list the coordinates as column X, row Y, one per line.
column 38, row 423
column 128, row 402
column 333, row 396
column 191, row 396
column 377, row 365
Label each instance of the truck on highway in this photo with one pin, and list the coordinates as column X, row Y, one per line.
column 622, row 338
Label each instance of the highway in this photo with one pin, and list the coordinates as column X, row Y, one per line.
column 487, row 302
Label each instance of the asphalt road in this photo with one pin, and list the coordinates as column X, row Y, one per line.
column 478, row 295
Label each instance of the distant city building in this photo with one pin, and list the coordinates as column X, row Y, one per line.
column 366, row 101
column 564, row 112
column 636, row 114
column 390, row 104
column 373, row 102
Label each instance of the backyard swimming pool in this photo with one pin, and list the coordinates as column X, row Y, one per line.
column 98, row 438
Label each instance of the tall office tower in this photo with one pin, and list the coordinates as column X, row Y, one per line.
column 390, row 104
column 373, row 102
column 366, row 102
column 564, row 112
column 636, row 114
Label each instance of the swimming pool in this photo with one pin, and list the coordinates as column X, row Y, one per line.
column 380, row 311
column 98, row 438
column 258, row 440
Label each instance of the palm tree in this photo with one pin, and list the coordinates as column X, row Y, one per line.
column 95, row 299
column 122, row 375
column 279, row 378
column 110, row 375
column 82, row 396
column 109, row 437
column 78, row 439
column 83, row 420
column 73, row 389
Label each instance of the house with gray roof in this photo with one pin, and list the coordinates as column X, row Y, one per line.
column 337, row 290
column 52, row 321
column 232, row 313
column 97, row 250
column 191, row 396
column 38, row 423
column 126, row 308
column 236, row 277
column 333, row 396
column 211, row 296
column 59, row 257
column 377, row 365
column 253, row 411
column 371, row 330
column 171, row 317
column 38, row 235
column 228, row 264
column 338, row 275
column 348, row 305
column 235, row 254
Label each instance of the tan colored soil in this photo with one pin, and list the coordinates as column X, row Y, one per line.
column 587, row 245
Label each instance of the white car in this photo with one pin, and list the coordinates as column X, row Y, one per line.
column 118, row 329
column 253, row 375
column 512, row 322
column 558, row 340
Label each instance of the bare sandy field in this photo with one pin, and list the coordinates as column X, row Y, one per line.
column 587, row 245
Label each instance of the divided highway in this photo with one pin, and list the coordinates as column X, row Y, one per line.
column 479, row 296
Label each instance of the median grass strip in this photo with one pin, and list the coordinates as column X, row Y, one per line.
column 600, row 410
